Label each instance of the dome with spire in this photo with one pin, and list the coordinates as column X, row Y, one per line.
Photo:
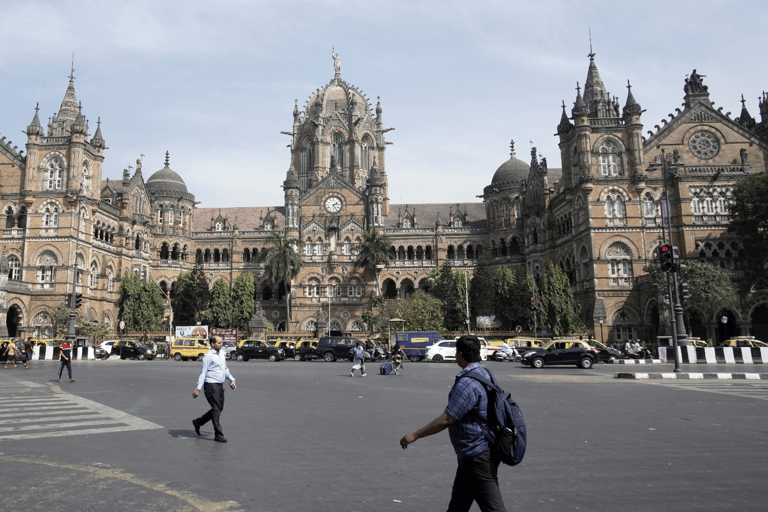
column 166, row 181
column 338, row 96
column 512, row 170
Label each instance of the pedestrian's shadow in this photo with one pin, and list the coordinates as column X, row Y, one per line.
column 187, row 433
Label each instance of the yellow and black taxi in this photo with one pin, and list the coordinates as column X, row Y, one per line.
column 131, row 349
column 306, row 350
column 252, row 348
column 289, row 347
column 560, row 352
column 744, row 341
column 189, row 348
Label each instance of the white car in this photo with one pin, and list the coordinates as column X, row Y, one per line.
column 446, row 351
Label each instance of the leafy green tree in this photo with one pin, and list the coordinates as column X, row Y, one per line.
column 711, row 289
column 373, row 252
column 481, row 293
column 512, row 292
column 192, row 296
column 749, row 220
column 140, row 305
column 556, row 302
column 282, row 264
column 243, row 303
column 445, row 287
column 370, row 319
column 421, row 312
column 220, row 313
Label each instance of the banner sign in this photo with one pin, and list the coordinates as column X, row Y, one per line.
column 226, row 334
column 192, row 331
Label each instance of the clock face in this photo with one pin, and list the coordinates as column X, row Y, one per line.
column 333, row 204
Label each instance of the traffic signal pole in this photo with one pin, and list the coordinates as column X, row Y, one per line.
column 72, row 302
column 675, row 308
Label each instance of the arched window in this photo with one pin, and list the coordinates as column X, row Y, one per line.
column 87, row 177
column 219, row 226
column 170, row 218
column 246, row 255
column 615, row 211
column 338, row 149
column 625, row 325
column 346, row 249
column 584, row 263
column 334, row 287
column 312, row 288
column 366, row 149
column 609, row 159
column 334, row 325
column 14, row 273
column 356, row 326
column 175, row 253
column 55, row 174
column 458, row 222
column 619, row 258
column 51, row 216
column 110, row 280
column 407, row 223
column 93, row 279
column 305, row 164
column 164, row 251
column 46, row 268
column 311, row 325
column 649, row 205
column 308, row 248
column 10, row 217
column 21, row 222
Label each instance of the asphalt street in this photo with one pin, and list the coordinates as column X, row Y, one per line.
column 304, row 436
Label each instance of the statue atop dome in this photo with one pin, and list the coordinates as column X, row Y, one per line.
column 336, row 61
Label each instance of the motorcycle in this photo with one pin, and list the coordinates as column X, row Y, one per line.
column 506, row 354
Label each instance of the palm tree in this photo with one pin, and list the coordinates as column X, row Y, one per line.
column 373, row 252
column 282, row 264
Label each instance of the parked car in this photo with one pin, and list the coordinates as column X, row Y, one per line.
column 744, row 341
column 229, row 349
column 558, row 352
column 606, row 354
column 332, row 348
column 132, row 350
column 258, row 349
column 306, row 350
column 189, row 348
column 289, row 347
column 441, row 351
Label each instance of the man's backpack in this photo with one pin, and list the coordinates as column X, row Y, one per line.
column 505, row 420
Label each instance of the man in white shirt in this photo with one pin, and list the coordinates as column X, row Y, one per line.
column 213, row 373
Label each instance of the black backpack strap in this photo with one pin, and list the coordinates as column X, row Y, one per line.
column 488, row 383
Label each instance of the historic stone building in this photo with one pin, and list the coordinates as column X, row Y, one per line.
column 598, row 216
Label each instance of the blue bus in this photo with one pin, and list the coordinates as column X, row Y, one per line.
column 414, row 344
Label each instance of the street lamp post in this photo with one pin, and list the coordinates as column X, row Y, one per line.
column 725, row 327
column 601, row 320
column 72, row 308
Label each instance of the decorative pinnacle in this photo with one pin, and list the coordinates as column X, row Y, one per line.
column 629, row 86
column 167, row 159
column 98, row 121
column 743, row 102
column 37, row 107
column 512, row 148
column 591, row 53
column 72, row 73
column 563, row 106
column 578, row 88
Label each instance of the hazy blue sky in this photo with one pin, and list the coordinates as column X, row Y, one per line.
column 214, row 82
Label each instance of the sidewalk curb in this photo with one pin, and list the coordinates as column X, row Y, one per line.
column 693, row 376
column 637, row 361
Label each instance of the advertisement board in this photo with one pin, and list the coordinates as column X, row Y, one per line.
column 226, row 334
column 192, row 331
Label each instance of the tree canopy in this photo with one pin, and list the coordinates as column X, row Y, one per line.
column 512, row 292
column 220, row 312
column 373, row 252
column 243, row 302
column 192, row 296
column 421, row 312
column 749, row 220
column 140, row 305
column 556, row 304
column 282, row 264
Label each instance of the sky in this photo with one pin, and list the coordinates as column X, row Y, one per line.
column 214, row 82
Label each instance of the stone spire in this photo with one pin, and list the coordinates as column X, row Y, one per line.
column 632, row 107
column 565, row 124
column 579, row 106
column 35, row 128
column 79, row 125
column 745, row 119
column 98, row 140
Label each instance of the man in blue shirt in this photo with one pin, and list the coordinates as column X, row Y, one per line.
column 212, row 376
column 465, row 418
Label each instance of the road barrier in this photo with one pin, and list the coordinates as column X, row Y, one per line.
column 714, row 355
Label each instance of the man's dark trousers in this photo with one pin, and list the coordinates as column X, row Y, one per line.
column 476, row 480
column 214, row 393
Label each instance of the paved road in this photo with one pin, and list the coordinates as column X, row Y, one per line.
column 305, row 436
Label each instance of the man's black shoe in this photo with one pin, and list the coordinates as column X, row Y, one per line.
column 220, row 439
column 197, row 427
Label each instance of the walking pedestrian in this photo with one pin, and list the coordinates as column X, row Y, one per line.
column 465, row 417
column 213, row 373
column 10, row 354
column 29, row 350
column 358, row 360
column 65, row 356
column 397, row 358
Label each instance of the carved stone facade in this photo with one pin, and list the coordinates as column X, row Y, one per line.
column 598, row 216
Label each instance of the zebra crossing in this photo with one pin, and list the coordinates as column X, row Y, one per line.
column 29, row 410
column 741, row 388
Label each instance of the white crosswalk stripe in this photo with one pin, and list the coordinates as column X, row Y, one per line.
column 741, row 388
column 42, row 413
